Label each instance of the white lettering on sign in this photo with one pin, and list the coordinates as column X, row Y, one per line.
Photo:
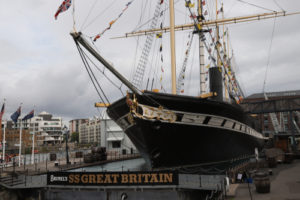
column 58, row 178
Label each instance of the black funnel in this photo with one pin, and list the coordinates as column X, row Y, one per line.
column 216, row 82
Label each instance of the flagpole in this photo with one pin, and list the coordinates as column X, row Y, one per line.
column 32, row 154
column 4, row 143
column 20, row 144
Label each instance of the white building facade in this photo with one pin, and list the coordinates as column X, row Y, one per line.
column 113, row 137
column 48, row 129
column 89, row 131
column 105, row 132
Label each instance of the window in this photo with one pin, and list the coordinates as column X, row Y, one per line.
column 116, row 144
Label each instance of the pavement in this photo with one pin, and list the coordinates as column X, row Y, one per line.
column 285, row 185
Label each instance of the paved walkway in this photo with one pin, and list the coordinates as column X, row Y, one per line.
column 285, row 185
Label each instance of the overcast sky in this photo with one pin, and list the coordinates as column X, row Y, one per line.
column 41, row 68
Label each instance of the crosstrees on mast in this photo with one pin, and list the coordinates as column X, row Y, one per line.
column 211, row 23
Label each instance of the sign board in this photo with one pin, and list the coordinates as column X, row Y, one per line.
column 112, row 178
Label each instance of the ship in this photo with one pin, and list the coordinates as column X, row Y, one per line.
column 174, row 130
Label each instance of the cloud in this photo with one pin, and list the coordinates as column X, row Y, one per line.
column 40, row 65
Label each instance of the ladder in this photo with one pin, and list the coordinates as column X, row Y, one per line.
column 140, row 69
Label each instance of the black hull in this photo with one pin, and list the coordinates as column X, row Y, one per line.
column 184, row 142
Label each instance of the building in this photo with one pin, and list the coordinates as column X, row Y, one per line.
column 113, row 137
column 74, row 125
column 12, row 138
column 48, row 129
column 286, row 119
column 89, row 131
column 106, row 133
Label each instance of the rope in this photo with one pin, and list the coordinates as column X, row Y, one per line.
column 278, row 5
column 269, row 56
column 90, row 11
column 255, row 5
column 91, row 74
column 218, row 53
column 113, row 21
column 73, row 14
column 101, row 13
column 103, row 72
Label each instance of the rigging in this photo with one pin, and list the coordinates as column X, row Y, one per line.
column 140, row 69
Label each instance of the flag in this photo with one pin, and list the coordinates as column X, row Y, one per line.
column 96, row 37
column 159, row 35
column 29, row 116
column 128, row 3
column 63, row 7
column 16, row 115
column 193, row 16
column 112, row 22
column 189, row 4
column 219, row 11
column 2, row 111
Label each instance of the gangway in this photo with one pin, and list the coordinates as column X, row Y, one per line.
column 275, row 123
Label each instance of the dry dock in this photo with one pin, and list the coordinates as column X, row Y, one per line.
column 285, row 185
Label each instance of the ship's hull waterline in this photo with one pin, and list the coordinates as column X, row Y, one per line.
column 201, row 130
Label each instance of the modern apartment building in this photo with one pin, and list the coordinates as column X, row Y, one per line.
column 48, row 129
column 74, row 125
column 89, row 131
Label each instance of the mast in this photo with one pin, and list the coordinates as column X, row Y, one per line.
column 172, row 42
column 201, row 50
column 217, row 37
column 224, row 47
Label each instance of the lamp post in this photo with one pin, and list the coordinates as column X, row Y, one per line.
column 66, row 132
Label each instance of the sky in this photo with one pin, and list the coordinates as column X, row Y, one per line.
column 42, row 70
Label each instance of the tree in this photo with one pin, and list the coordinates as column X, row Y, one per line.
column 75, row 137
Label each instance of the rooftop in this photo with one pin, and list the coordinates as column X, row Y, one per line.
column 275, row 94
